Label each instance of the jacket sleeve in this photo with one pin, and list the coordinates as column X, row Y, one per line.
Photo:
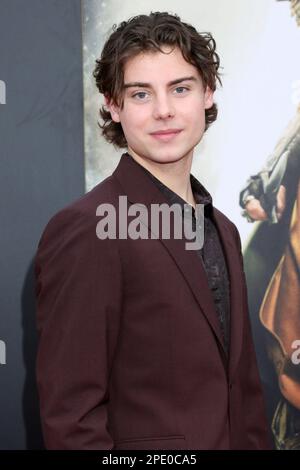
column 78, row 293
column 254, row 409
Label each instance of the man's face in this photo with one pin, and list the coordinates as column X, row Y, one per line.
column 154, row 105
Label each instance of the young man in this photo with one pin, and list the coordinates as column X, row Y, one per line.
column 145, row 344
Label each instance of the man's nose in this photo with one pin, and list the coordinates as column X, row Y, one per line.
column 163, row 107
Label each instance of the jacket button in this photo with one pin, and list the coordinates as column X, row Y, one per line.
column 230, row 386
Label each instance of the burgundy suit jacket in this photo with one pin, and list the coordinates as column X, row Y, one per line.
column 130, row 350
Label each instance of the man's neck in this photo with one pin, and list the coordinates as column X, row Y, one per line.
column 175, row 175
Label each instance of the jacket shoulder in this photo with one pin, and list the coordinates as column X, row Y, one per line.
column 82, row 211
column 224, row 218
column 230, row 225
column 104, row 192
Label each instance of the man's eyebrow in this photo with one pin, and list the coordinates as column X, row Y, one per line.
column 148, row 85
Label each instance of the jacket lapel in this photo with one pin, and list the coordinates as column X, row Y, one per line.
column 140, row 189
column 235, row 271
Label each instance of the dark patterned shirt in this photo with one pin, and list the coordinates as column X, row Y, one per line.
column 211, row 253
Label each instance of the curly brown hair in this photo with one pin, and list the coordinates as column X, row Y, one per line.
column 147, row 33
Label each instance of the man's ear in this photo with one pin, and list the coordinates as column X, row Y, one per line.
column 208, row 98
column 112, row 108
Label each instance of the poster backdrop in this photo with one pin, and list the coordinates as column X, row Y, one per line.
column 252, row 150
column 42, row 169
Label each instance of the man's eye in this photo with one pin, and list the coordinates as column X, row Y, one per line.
column 139, row 93
column 181, row 88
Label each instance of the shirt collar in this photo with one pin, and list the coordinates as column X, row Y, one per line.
column 202, row 196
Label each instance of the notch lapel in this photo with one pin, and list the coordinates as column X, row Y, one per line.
column 236, row 277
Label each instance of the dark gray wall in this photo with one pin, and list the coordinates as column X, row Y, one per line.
column 41, row 170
